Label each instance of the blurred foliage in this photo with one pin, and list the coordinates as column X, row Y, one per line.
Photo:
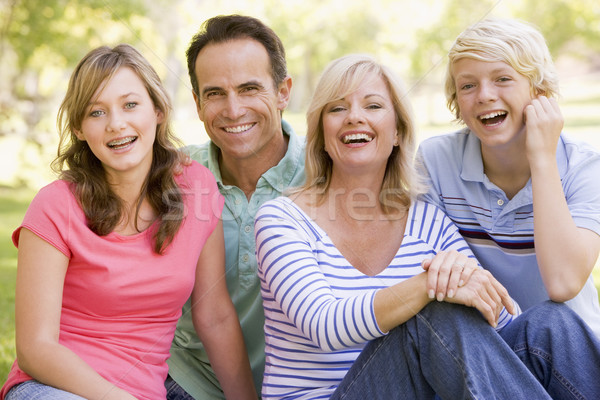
column 569, row 26
column 433, row 41
column 65, row 29
column 42, row 40
column 313, row 39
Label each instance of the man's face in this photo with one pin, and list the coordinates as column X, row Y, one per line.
column 237, row 100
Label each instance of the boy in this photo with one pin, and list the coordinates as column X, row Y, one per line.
column 524, row 195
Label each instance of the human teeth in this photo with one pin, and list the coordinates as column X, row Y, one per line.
column 356, row 137
column 122, row 141
column 238, row 129
column 493, row 114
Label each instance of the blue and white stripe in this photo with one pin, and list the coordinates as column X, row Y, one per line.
column 319, row 308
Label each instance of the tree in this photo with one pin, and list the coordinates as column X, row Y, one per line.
column 40, row 38
column 569, row 26
column 40, row 41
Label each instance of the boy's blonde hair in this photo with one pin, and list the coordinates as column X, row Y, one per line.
column 517, row 43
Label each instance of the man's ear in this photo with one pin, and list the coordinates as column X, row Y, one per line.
column 284, row 90
column 198, row 105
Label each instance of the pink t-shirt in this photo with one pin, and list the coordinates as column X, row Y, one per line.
column 121, row 301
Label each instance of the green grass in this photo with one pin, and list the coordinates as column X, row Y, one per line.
column 13, row 204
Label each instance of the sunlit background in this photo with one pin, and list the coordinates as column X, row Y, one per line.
column 42, row 40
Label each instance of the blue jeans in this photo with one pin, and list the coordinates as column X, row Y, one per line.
column 451, row 351
column 176, row 392
column 33, row 390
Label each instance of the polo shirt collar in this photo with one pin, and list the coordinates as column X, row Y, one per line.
column 213, row 163
column 472, row 162
column 282, row 174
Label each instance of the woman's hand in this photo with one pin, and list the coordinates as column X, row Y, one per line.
column 446, row 272
column 483, row 292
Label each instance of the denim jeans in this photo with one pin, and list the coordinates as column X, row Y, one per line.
column 176, row 392
column 33, row 390
column 559, row 349
column 451, row 351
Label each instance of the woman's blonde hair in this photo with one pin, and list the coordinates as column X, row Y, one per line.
column 517, row 43
column 340, row 78
column 76, row 163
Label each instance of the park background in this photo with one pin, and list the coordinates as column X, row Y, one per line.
column 42, row 40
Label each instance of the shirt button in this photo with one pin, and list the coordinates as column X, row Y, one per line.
column 238, row 201
column 245, row 258
column 500, row 202
column 247, row 229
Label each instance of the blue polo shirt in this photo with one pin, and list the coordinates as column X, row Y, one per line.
column 500, row 230
column 189, row 365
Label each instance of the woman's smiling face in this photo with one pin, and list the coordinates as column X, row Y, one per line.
column 360, row 129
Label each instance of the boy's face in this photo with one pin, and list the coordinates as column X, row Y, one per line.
column 492, row 97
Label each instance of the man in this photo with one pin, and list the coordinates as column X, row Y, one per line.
column 240, row 85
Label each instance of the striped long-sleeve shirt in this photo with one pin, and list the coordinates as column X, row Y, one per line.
column 318, row 308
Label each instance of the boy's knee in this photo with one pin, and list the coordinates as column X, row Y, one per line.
column 552, row 314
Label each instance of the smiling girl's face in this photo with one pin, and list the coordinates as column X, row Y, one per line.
column 120, row 125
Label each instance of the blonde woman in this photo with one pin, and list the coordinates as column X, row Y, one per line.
column 346, row 263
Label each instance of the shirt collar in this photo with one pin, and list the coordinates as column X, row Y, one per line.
column 472, row 162
column 213, row 162
column 280, row 176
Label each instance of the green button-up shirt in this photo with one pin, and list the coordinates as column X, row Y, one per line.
column 189, row 365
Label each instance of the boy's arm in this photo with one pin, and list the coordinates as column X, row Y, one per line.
column 566, row 254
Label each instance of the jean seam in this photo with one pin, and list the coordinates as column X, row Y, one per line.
column 548, row 359
column 457, row 360
column 375, row 351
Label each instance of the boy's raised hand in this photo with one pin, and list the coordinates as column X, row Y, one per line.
column 543, row 123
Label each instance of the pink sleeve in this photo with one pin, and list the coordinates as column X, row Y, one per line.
column 208, row 202
column 48, row 216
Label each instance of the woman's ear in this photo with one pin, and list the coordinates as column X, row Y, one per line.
column 79, row 134
column 160, row 116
